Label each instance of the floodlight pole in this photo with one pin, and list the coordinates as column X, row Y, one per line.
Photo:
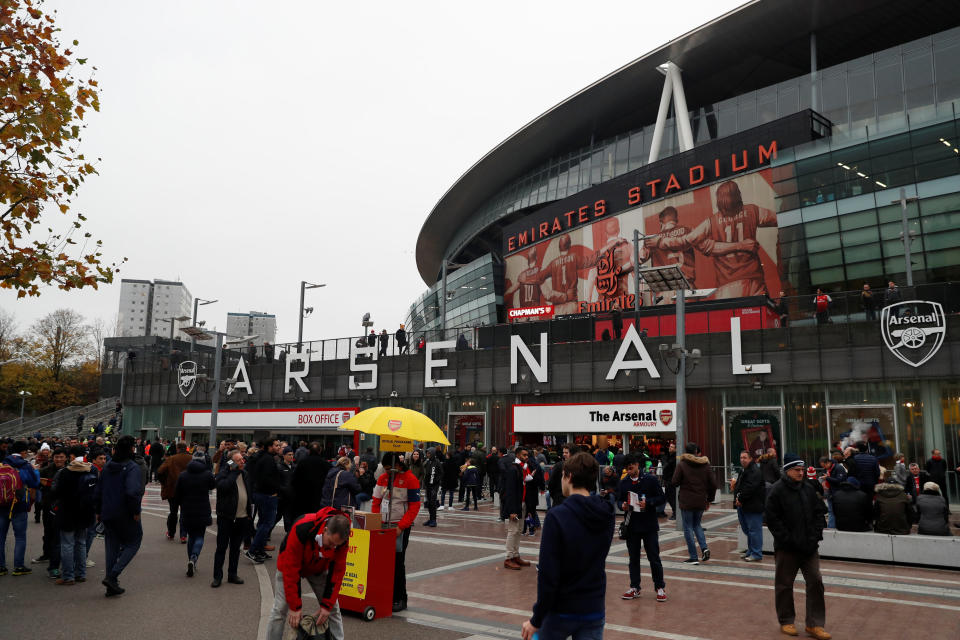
column 215, row 402
column 304, row 285
column 681, row 368
column 636, row 274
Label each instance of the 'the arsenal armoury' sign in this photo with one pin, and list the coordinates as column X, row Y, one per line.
column 595, row 417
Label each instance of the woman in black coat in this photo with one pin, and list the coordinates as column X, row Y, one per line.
column 451, row 476
column 341, row 486
column 193, row 495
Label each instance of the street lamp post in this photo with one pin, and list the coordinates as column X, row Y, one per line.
column 907, row 239
column 199, row 333
column 304, row 285
column 173, row 320
column 23, row 400
column 661, row 280
column 197, row 302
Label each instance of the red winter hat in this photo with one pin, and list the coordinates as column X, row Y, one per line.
column 811, row 473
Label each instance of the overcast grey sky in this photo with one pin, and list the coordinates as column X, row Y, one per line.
column 248, row 145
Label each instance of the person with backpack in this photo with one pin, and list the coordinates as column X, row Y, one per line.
column 73, row 492
column 18, row 486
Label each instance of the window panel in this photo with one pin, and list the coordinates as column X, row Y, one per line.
column 825, row 259
column 946, row 58
column 940, row 259
column 857, row 220
column 861, row 253
column 941, row 222
column 945, row 240
column 821, row 227
column 864, row 270
column 823, row 243
column 860, row 236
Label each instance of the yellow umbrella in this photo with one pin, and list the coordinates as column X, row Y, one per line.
column 396, row 422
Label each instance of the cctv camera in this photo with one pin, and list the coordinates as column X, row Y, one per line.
column 664, row 347
column 394, row 394
column 748, row 367
column 695, row 354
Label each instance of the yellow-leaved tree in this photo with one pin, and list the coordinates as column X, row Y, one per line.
column 42, row 105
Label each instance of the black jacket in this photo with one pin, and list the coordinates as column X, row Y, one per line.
column 669, row 466
column 367, row 482
column 227, row 494
column 769, row 468
column 451, row 474
column 266, row 475
column 866, row 470
column 750, row 489
column 646, row 485
column 573, row 552
column 512, row 480
column 308, row 481
column 346, row 488
column 795, row 517
column 554, row 484
column 938, row 472
column 851, row 508
column 534, row 487
column 193, row 495
column 432, row 474
column 71, row 513
column 893, row 511
column 286, row 480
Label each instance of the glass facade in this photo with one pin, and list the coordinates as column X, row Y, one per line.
column 474, row 293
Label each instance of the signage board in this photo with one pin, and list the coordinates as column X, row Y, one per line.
column 595, row 417
column 289, row 419
column 354, row 583
column 392, row 443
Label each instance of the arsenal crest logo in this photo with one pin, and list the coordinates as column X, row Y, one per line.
column 186, row 377
column 913, row 330
column 346, row 416
column 360, row 589
column 666, row 415
column 394, row 425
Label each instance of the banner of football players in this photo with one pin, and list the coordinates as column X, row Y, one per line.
column 723, row 237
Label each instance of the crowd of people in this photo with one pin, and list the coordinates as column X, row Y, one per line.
column 83, row 490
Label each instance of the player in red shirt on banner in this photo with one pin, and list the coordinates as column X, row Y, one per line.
column 729, row 236
column 528, row 282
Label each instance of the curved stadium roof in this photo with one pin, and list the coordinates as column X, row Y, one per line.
column 756, row 45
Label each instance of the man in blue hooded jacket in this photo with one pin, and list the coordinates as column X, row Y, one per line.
column 117, row 503
column 16, row 513
column 571, row 579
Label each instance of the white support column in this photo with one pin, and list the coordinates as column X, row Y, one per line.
column 661, row 119
column 681, row 115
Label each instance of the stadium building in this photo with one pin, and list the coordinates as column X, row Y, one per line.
column 786, row 147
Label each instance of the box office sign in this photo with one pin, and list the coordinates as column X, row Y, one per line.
column 595, row 417
column 291, row 419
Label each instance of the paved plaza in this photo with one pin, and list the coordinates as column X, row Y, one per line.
column 459, row 589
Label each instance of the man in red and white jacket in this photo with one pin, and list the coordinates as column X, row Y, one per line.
column 315, row 549
column 402, row 504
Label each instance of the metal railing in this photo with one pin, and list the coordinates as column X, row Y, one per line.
column 58, row 418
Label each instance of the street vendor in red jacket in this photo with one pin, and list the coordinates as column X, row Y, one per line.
column 398, row 494
column 315, row 548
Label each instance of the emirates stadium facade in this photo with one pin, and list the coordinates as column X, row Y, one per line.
column 784, row 147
